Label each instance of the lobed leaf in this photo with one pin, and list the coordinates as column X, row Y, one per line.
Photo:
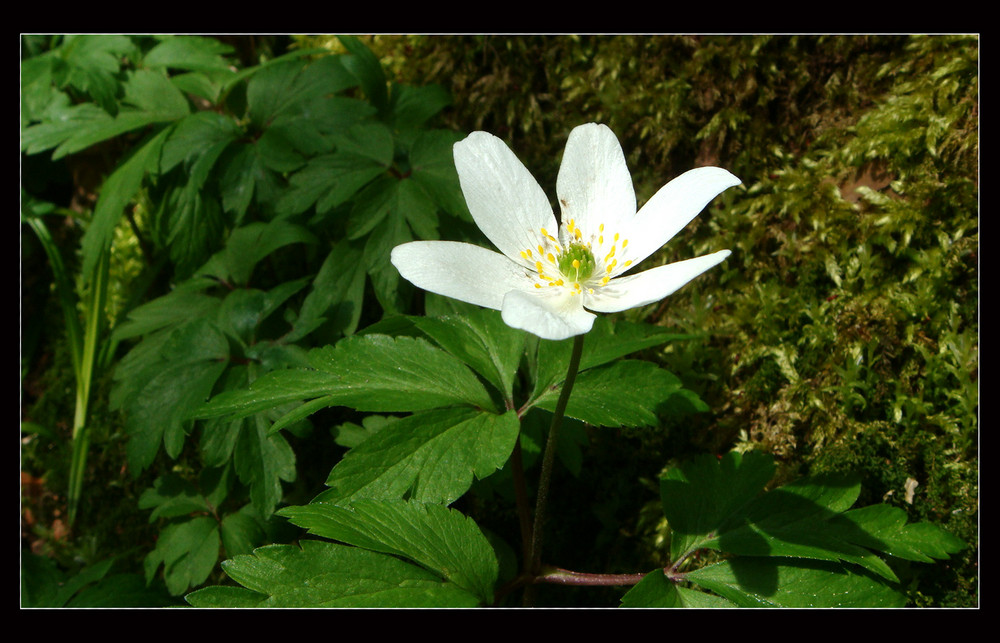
column 782, row 582
column 430, row 457
column 438, row 538
column 321, row 574
column 367, row 373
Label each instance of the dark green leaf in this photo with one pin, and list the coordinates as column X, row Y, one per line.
column 483, row 341
column 248, row 245
column 241, row 532
column 160, row 386
column 884, row 528
column 117, row 191
column 188, row 551
column 656, row 590
column 262, row 462
column 607, row 341
column 432, row 165
column 701, row 494
column 438, row 538
column 363, row 64
column 412, row 106
column 368, row 373
column 189, row 52
column 780, row 582
column 172, row 496
column 324, row 574
column 336, row 296
column 431, row 457
column 625, row 393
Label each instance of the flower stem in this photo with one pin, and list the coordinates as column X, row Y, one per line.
column 567, row 577
column 534, row 562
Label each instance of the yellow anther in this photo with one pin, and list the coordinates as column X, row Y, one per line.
column 576, row 263
column 550, row 258
column 538, row 267
column 538, row 285
column 600, row 228
column 604, row 282
column 545, row 232
column 624, row 243
column 578, row 233
column 628, row 263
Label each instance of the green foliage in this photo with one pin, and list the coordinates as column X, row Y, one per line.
column 799, row 545
column 233, row 173
column 43, row 584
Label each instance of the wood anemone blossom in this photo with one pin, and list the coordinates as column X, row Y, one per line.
column 548, row 277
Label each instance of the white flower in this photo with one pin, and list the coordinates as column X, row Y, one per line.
column 550, row 276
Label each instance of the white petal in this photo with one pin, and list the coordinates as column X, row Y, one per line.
column 672, row 208
column 460, row 271
column 506, row 202
column 594, row 185
column 550, row 313
column 650, row 285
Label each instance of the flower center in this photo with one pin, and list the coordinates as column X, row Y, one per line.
column 577, row 263
column 573, row 263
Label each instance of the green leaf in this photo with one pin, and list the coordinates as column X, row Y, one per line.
column 195, row 135
column 411, row 106
column 184, row 303
column 155, row 100
column 714, row 505
column 283, row 88
column 152, row 93
column 262, row 462
column 384, row 277
column 363, row 64
column 792, row 521
column 117, row 191
column 430, row 457
column 327, row 181
column 159, row 386
column 780, row 582
column 91, row 64
column 193, row 53
column 884, row 528
column 607, row 341
column 625, row 393
column 432, row 166
column 241, row 531
column 483, row 341
column 700, row 495
column 244, row 310
column 188, row 551
column 248, row 245
column 656, row 590
column 321, row 574
column 367, row 373
column 336, row 296
column 435, row 537
column 172, row 496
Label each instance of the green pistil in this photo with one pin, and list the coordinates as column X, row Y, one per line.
column 577, row 263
